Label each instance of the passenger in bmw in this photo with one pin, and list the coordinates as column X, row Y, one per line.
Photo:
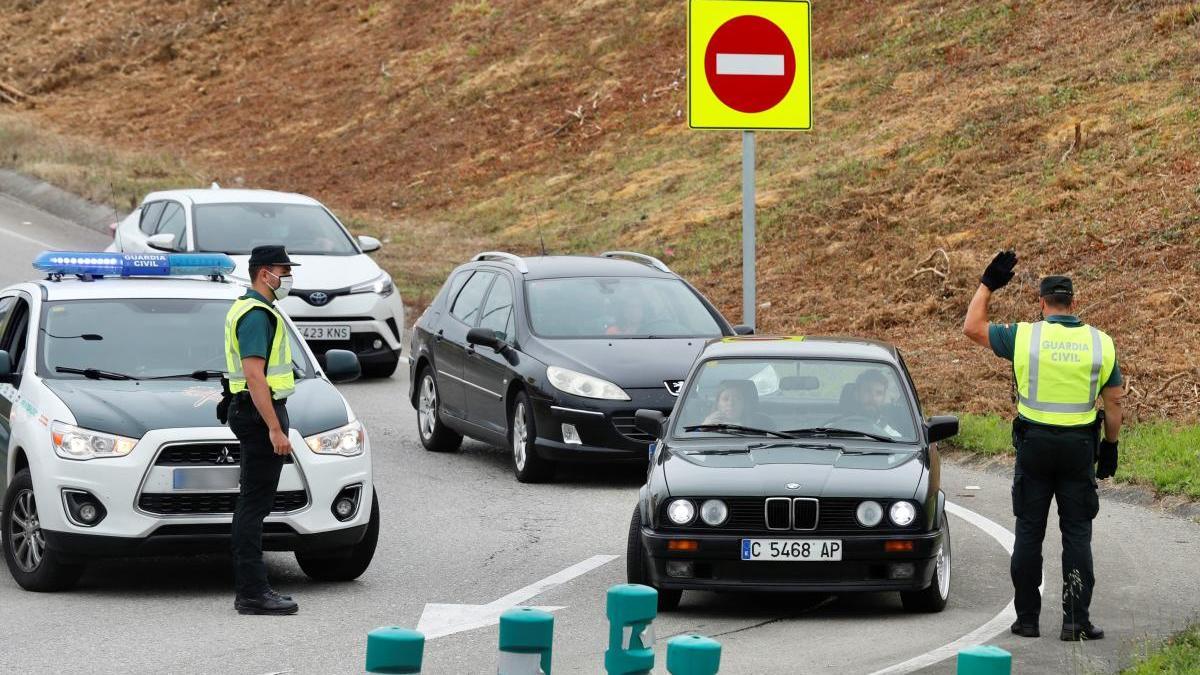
column 730, row 406
column 260, row 378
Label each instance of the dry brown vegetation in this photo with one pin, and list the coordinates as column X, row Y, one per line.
column 943, row 131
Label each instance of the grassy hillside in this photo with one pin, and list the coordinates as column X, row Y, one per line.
column 943, row 131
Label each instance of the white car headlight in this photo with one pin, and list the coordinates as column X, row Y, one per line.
column 584, row 385
column 681, row 511
column 714, row 512
column 72, row 442
column 869, row 513
column 902, row 513
column 380, row 285
column 347, row 441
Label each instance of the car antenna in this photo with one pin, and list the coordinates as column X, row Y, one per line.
column 541, row 239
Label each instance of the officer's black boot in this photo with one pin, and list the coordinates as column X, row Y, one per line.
column 1029, row 630
column 1087, row 631
column 267, row 603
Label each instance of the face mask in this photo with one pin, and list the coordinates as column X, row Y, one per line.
column 285, row 286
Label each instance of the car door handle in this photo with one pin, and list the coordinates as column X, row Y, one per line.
column 440, row 335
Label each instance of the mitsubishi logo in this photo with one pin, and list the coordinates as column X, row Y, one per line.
column 225, row 457
column 318, row 298
column 674, row 387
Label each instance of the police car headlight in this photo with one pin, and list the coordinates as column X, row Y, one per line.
column 347, row 441
column 381, row 285
column 72, row 442
column 902, row 513
column 584, row 385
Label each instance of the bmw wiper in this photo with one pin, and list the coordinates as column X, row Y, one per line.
column 195, row 375
column 95, row 374
column 737, row 430
column 795, row 444
column 834, row 431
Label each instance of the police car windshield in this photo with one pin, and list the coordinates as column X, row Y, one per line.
column 803, row 398
column 617, row 308
column 237, row 228
column 139, row 337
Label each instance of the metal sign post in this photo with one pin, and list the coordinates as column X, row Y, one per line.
column 748, row 231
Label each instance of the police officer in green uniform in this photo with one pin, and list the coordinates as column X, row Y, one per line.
column 260, row 378
column 1061, row 366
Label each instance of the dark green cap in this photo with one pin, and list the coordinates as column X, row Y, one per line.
column 1056, row 285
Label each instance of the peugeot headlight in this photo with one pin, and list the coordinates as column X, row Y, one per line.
column 869, row 513
column 346, row 441
column 902, row 513
column 380, row 285
column 584, row 385
column 714, row 512
column 72, row 442
column 681, row 511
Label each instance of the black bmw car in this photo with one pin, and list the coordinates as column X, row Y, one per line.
column 551, row 356
column 795, row 464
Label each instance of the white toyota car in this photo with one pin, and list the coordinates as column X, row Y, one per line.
column 109, row 440
column 342, row 299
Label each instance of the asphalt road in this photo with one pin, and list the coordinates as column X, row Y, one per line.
column 457, row 528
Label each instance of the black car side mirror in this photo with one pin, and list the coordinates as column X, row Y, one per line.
column 486, row 337
column 7, row 376
column 650, row 421
column 941, row 427
column 342, row 366
column 743, row 330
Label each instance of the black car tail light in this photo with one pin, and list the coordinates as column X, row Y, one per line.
column 804, row 513
column 779, row 513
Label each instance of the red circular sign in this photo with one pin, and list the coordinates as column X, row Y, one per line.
column 750, row 64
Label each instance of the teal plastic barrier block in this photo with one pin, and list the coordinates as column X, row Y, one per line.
column 984, row 660
column 693, row 655
column 525, row 630
column 631, row 610
column 392, row 649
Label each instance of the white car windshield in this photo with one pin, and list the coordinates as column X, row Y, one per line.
column 138, row 337
column 237, row 228
column 617, row 307
column 800, row 397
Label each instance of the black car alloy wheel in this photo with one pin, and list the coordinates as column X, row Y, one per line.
column 435, row 435
column 528, row 466
column 935, row 597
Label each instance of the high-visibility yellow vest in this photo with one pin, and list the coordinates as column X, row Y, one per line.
column 280, row 377
column 1059, row 371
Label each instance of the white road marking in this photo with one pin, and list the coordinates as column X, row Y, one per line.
column 439, row 620
column 987, row 631
column 750, row 64
column 18, row 235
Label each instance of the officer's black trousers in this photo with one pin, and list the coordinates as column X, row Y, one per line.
column 259, row 481
column 1054, row 462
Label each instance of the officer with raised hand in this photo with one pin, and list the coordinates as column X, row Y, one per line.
column 260, row 378
column 1061, row 366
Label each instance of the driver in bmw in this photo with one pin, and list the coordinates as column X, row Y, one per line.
column 870, row 392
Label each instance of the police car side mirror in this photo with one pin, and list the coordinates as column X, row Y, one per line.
column 743, row 330
column 7, row 376
column 369, row 244
column 342, row 366
column 941, row 427
column 650, row 422
column 162, row 242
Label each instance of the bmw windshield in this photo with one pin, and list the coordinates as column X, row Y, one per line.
column 617, row 308
column 138, row 337
column 818, row 399
column 237, row 228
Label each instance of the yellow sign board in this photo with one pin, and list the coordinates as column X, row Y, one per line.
column 749, row 64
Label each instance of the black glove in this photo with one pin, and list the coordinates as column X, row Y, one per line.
column 1108, row 460
column 1000, row 271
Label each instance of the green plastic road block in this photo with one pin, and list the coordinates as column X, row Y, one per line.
column 525, row 638
column 631, row 612
column 984, row 660
column 693, row 655
column 392, row 649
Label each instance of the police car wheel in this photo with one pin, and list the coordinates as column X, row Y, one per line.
column 636, row 564
column 347, row 564
column 32, row 564
column 435, row 435
column 528, row 465
column 935, row 597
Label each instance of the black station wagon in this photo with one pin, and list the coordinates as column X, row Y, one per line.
column 795, row 464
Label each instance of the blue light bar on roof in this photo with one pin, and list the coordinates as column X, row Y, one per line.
column 133, row 264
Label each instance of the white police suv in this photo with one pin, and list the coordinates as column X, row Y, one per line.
column 342, row 298
column 109, row 441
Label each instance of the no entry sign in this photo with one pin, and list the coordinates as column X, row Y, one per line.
column 748, row 64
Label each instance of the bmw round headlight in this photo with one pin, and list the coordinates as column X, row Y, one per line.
column 681, row 512
column 714, row 512
column 869, row 513
column 902, row 513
